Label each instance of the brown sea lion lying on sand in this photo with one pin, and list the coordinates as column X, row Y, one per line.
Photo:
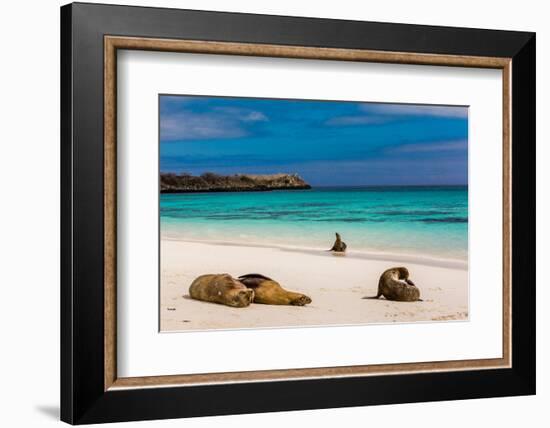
column 239, row 293
column 339, row 245
column 270, row 292
column 222, row 288
column 394, row 284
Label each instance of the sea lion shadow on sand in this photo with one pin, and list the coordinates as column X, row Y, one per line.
column 394, row 284
column 241, row 292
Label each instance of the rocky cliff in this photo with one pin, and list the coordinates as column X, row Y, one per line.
column 210, row 182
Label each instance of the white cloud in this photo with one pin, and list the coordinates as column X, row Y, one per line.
column 255, row 116
column 195, row 126
column 415, row 110
column 376, row 114
column 356, row 120
column 242, row 114
column 221, row 122
column 433, row 147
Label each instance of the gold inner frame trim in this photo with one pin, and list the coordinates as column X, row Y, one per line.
column 113, row 43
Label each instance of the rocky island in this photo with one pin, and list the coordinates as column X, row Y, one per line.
column 210, row 182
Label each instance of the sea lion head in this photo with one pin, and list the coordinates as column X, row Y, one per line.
column 338, row 237
column 402, row 273
column 237, row 295
column 222, row 289
column 240, row 297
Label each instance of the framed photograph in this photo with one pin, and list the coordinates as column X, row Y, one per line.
column 265, row 213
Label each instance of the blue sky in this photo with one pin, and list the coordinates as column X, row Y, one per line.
column 329, row 143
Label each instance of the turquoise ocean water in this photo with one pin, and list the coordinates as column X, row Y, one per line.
column 418, row 221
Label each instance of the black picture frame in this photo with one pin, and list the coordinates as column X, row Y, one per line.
column 83, row 398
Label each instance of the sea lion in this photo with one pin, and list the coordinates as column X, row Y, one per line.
column 223, row 289
column 270, row 292
column 339, row 245
column 394, row 284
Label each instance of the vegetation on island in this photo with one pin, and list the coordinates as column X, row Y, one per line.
column 211, row 182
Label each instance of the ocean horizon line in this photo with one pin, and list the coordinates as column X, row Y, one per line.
column 376, row 186
column 369, row 186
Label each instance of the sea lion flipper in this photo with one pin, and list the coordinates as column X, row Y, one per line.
column 270, row 292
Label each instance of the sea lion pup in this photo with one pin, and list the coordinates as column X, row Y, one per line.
column 223, row 289
column 270, row 292
column 339, row 245
column 394, row 284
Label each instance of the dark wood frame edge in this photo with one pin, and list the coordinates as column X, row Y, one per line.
column 83, row 396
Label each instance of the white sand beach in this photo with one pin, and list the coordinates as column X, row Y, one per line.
column 335, row 283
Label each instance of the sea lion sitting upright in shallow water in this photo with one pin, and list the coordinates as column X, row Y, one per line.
column 270, row 292
column 223, row 289
column 394, row 284
column 339, row 245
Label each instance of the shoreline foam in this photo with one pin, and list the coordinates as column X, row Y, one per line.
column 357, row 254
